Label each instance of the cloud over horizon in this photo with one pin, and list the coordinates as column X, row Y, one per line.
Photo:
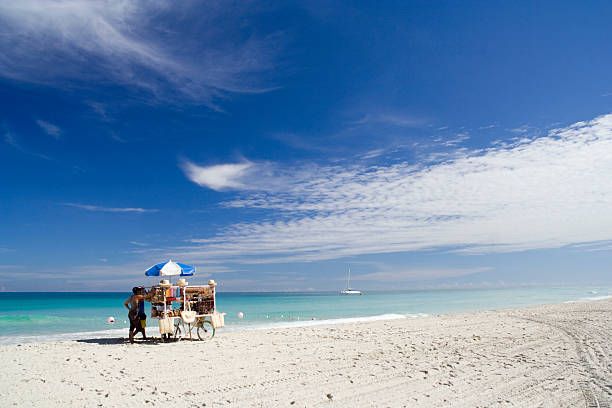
column 546, row 192
column 404, row 275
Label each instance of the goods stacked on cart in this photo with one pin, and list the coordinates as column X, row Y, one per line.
column 201, row 299
column 166, row 299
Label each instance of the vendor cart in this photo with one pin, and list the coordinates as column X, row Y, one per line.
column 181, row 308
column 201, row 311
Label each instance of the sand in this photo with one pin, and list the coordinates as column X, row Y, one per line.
column 545, row 356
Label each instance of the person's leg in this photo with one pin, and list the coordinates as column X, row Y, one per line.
column 143, row 325
column 132, row 333
column 133, row 328
column 137, row 328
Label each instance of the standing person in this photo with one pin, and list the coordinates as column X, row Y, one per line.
column 136, row 314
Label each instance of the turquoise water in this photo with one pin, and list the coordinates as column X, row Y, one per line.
column 59, row 316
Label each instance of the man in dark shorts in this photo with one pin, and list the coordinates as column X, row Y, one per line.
column 136, row 314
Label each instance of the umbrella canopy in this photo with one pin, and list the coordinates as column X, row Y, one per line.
column 170, row 269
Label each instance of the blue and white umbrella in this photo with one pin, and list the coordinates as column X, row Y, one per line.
column 170, row 269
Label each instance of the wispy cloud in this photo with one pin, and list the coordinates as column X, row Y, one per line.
column 99, row 276
column 524, row 130
column 116, row 137
column 140, row 244
column 545, row 192
column 394, row 119
column 11, row 267
column 11, row 139
column 370, row 132
column 50, row 129
column 455, row 139
column 595, row 246
column 111, row 209
column 310, row 142
column 373, row 154
column 419, row 274
column 159, row 49
column 101, row 110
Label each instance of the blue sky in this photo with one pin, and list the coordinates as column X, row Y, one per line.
column 272, row 144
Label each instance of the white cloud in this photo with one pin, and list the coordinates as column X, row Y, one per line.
column 245, row 176
column 111, row 209
column 164, row 50
column 50, row 128
column 547, row 192
column 219, row 177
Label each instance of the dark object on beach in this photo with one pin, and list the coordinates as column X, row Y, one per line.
column 136, row 314
column 330, row 397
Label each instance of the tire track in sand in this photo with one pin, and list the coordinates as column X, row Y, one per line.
column 593, row 349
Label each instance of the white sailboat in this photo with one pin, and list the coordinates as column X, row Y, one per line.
column 348, row 290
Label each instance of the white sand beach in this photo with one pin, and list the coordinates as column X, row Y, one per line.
column 546, row 356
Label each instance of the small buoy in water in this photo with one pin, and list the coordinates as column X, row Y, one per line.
column 111, row 320
column 240, row 315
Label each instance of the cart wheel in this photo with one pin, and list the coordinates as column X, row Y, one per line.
column 205, row 331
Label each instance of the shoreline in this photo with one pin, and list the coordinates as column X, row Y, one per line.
column 554, row 355
column 121, row 333
column 152, row 325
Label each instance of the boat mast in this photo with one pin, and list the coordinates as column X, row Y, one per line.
column 348, row 280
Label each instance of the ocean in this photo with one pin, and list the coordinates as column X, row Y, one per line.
column 43, row 316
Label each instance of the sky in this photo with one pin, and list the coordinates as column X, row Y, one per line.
column 273, row 145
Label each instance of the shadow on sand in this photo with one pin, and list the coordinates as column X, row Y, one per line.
column 122, row 340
